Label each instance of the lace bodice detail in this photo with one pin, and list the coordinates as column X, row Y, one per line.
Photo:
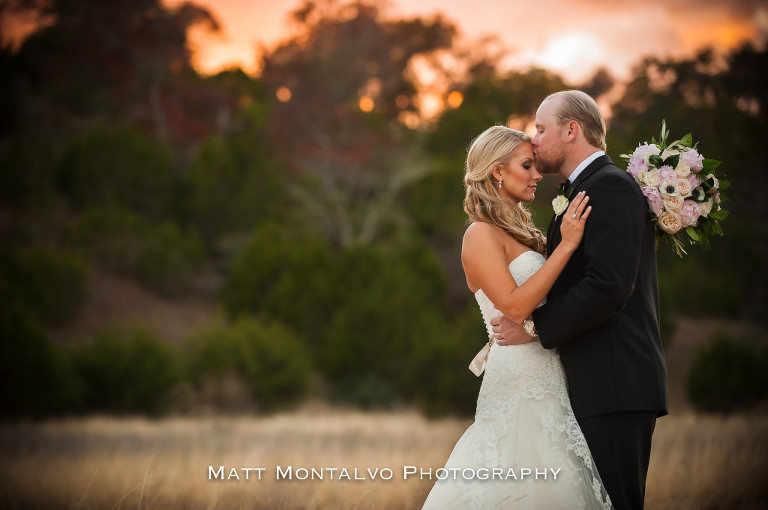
column 524, row 394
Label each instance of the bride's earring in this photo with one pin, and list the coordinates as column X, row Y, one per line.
column 500, row 183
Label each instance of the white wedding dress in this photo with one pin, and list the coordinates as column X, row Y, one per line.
column 523, row 420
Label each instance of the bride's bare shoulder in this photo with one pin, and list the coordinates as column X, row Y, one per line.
column 480, row 229
column 480, row 237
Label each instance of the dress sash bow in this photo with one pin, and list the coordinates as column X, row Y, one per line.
column 477, row 366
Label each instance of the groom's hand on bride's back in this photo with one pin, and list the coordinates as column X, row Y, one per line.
column 506, row 332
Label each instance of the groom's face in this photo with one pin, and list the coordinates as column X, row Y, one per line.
column 548, row 143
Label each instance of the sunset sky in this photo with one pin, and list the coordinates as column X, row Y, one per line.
column 572, row 37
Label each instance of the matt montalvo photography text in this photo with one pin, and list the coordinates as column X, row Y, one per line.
column 381, row 473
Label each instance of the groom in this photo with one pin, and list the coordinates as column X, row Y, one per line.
column 602, row 312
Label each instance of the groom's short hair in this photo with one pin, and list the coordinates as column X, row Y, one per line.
column 579, row 106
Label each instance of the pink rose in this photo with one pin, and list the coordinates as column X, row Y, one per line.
column 636, row 166
column 684, row 186
column 690, row 213
column 673, row 204
column 694, row 180
column 639, row 160
column 652, row 178
column 655, row 202
column 667, row 173
column 693, row 159
column 682, row 169
column 670, row 222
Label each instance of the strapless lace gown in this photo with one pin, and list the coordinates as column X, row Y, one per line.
column 523, row 421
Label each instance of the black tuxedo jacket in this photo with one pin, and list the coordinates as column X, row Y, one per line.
column 603, row 311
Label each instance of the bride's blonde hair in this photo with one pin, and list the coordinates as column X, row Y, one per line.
column 483, row 202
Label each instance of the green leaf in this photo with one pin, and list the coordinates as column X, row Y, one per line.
column 693, row 234
column 672, row 160
column 710, row 165
column 656, row 160
column 687, row 140
column 719, row 215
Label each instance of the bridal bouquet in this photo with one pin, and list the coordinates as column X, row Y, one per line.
column 682, row 189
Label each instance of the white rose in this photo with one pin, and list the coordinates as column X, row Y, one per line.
column 673, row 204
column 682, row 169
column 717, row 183
column 559, row 204
column 706, row 207
column 670, row 222
column 684, row 187
column 669, row 189
column 653, row 178
column 641, row 178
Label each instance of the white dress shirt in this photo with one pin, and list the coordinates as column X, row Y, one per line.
column 584, row 165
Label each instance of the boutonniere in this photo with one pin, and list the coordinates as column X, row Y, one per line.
column 560, row 202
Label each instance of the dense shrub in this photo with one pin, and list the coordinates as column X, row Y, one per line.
column 127, row 373
column 285, row 274
column 727, row 375
column 230, row 186
column 25, row 170
column 159, row 255
column 389, row 306
column 50, row 283
column 118, row 166
column 375, row 316
column 446, row 385
column 36, row 377
column 272, row 361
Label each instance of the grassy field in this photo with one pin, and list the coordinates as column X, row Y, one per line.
column 699, row 462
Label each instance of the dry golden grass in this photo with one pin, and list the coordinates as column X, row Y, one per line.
column 110, row 463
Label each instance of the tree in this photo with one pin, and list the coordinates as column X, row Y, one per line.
column 340, row 84
column 119, row 59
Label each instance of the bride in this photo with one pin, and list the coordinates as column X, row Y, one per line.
column 525, row 434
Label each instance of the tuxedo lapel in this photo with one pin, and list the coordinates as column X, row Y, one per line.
column 590, row 171
column 552, row 238
column 550, row 233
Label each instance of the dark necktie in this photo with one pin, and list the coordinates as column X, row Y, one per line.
column 566, row 187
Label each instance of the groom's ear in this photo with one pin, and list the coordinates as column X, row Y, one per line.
column 572, row 130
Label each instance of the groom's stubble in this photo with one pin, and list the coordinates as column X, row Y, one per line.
column 550, row 164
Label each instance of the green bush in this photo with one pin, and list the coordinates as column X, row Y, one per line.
column 169, row 259
column 159, row 255
column 375, row 317
column 127, row 373
column 50, row 283
column 287, row 275
column 727, row 375
column 118, row 166
column 25, row 170
column 230, row 186
column 390, row 305
column 447, row 386
column 36, row 377
column 272, row 361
